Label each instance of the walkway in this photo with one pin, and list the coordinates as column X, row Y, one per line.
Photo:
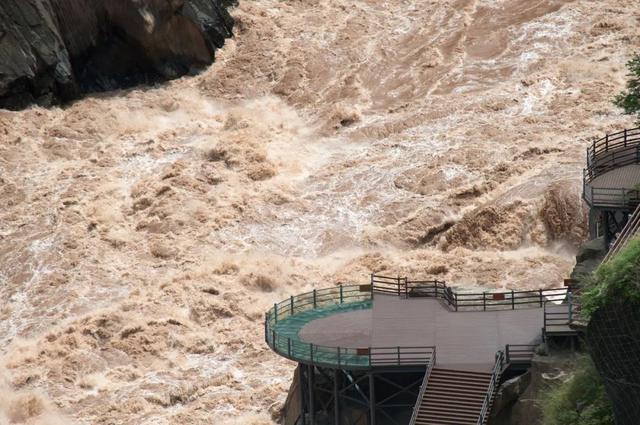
column 464, row 340
column 613, row 171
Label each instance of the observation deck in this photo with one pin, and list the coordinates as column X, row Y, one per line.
column 395, row 322
column 612, row 175
column 348, row 340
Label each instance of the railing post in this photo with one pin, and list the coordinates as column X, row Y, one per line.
column 455, row 298
column 606, row 142
column 369, row 351
column 436, row 285
column 315, row 302
column 484, row 301
column 266, row 328
column 506, row 349
column 625, row 137
column 570, row 308
column 540, row 297
column 513, row 300
column 275, row 312
column 398, row 286
column 291, row 305
column 398, row 348
column 338, row 357
column 341, row 294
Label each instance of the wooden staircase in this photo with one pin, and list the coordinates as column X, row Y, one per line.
column 454, row 397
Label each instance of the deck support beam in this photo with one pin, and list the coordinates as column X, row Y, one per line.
column 336, row 397
column 312, row 407
column 301, row 384
column 372, row 399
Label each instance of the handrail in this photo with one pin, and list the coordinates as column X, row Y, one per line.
column 613, row 197
column 423, row 389
column 495, row 377
column 612, row 151
column 566, row 317
column 519, row 353
column 611, row 141
column 457, row 301
column 351, row 357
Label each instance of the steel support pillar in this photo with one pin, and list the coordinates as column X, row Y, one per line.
column 312, row 407
column 301, row 384
column 336, row 397
column 372, row 399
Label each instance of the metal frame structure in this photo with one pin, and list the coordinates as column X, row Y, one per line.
column 378, row 396
column 379, row 385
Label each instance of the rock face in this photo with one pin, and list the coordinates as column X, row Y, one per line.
column 53, row 50
column 614, row 343
column 589, row 257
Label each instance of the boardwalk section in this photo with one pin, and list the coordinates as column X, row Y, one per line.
column 392, row 351
column 464, row 340
column 612, row 174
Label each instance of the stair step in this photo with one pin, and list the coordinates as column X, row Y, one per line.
column 463, row 384
column 472, row 380
column 445, row 421
column 457, row 403
column 460, row 372
column 450, row 414
column 449, row 389
column 453, row 397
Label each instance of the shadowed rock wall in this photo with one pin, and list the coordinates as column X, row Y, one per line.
column 53, row 50
column 614, row 344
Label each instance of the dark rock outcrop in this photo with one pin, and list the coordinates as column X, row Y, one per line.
column 53, row 50
column 614, row 344
column 589, row 257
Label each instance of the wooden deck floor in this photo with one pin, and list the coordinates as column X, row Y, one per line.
column 464, row 340
column 625, row 177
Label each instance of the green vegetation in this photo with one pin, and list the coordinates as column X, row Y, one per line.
column 618, row 278
column 629, row 100
column 581, row 400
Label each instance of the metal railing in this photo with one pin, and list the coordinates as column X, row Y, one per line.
column 458, row 301
column 388, row 285
column 349, row 357
column 609, row 153
column 493, row 384
column 520, row 353
column 423, row 389
column 611, row 197
column 613, row 151
column 558, row 321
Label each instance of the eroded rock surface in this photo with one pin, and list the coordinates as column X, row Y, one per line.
column 52, row 50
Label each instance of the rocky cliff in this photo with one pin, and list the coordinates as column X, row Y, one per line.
column 614, row 345
column 53, row 50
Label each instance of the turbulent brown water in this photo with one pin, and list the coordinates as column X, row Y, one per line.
column 144, row 233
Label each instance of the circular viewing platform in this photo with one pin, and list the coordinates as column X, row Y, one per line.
column 394, row 322
column 612, row 175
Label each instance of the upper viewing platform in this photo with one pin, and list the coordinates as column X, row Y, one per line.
column 612, row 175
column 395, row 322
